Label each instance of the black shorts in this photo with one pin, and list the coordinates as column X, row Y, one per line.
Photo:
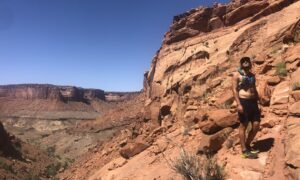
column 251, row 111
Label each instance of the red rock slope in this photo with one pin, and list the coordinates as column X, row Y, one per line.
column 190, row 104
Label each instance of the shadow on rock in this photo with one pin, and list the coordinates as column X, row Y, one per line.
column 264, row 145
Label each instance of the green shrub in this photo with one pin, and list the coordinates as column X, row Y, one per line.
column 281, row 69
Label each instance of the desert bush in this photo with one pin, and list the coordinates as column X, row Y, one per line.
column 50, row 150
column 213, row 171
column 186, row 165
column 226, row 105
column 52, row 169
column 6, row 167
column 191, row 167
column 281, row 69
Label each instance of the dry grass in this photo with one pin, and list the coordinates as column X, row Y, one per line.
column 281, row 69
column 192, row 167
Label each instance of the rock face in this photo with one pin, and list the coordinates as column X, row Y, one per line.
column 203, row 20
column 189, row 71
column 245, row 11
column 51, row 92
column 190, row 77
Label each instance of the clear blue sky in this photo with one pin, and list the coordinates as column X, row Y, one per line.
column 105, row 44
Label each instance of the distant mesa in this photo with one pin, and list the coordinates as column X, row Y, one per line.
column 50, row 92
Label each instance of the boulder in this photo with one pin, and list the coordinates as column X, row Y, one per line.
column 218, row 120
column 211, row 144
column 294, row 109
column 132, row 149
column 225, row 99
column 265, row 92
column 296, row 95
column 281, row 93
column 279, row 109
column 273, row 81
column 223, row 118
column 292, row 54
column 209, row 127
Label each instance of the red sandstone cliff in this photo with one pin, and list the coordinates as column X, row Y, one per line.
column 189, row 100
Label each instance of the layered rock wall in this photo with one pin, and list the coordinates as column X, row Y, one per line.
column 51, row 92
column 189, row 81
column 202, row 20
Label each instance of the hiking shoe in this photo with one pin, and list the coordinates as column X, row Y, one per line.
column 249, row 155
column 252, row 150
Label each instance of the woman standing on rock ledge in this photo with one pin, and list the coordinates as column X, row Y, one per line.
column 246, row 96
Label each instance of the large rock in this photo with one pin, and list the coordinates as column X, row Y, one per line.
column 292, row 54
column 211, row 144
column 217, row 120
column 265, row 92
column 296, row 95
column 132, row 149
column 225, row 99
column 281, row 93
column 273, row 80
column 295, row 109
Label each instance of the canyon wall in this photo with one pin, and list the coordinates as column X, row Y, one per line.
column 51, row 92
